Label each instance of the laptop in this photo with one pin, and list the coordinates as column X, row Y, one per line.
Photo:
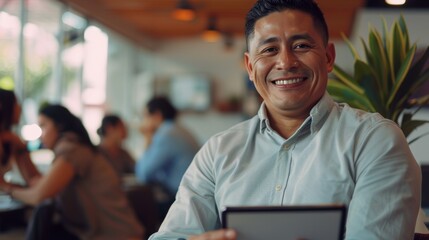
column 309, row 222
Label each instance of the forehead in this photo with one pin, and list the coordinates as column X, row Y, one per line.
column 45, row 120
column 285, row 23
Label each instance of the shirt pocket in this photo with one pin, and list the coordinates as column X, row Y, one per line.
column 322, row 192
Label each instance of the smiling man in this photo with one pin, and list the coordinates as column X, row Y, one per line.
column 302, row 147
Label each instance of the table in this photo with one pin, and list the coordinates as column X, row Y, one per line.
column 12, row 212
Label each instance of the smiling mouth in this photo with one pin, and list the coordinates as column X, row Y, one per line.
column 284, row 82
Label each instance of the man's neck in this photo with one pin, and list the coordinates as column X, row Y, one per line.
column 287, row 128
column 286, row 124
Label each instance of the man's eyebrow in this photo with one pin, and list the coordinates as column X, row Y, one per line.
column 303, row 36
column 268, row 40
column 295, row 37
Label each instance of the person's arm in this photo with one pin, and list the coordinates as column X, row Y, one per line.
column 195, row 211
column 155, row 157
column 386, row 198
column 26, row 167
column 129, row 162
column 21, row 156
column 222, row 234
column 49, row 185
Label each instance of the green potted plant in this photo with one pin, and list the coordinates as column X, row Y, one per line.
column 387, row 80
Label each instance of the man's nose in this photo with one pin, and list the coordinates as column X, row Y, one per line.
column 287, row 60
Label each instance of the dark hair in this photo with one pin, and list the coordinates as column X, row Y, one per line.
column 108, row 120
column 7, row 105
column 163, row 105
column 66, row 122
column 263, row 8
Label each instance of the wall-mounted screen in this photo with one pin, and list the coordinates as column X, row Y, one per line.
column 190, row 92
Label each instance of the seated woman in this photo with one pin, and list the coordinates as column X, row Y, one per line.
column 84, row 186
column 112, row 134
column 10, row 113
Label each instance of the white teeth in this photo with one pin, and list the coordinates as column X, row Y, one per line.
column 291, row 81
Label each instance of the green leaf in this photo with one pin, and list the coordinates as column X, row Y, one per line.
column 398, row 50
column 368, row 54
column 411, row 125
column 347, row 79
column 343, row 93
column 404, row 31
column 386, row 38
column 400, row 81
column 365, row 75
column 417, row 138
column 380, row 62
column 388, row 77
column 419, row 65
column 351, row 47
column 414, row 80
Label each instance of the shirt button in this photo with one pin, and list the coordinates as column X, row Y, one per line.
column 278, row 188
column 286, row 147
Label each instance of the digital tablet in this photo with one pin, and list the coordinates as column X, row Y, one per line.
column 286, row 222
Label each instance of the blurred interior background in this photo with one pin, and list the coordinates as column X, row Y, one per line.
column 110, row 56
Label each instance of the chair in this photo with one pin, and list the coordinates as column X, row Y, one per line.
column 421, row 236
column 41, row 221
column 44, row 224
column 141, row 199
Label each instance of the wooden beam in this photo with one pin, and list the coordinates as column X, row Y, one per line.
column 93, row 10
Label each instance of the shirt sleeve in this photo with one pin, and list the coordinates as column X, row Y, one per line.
column 194, row 210
column 386, row 198
column 129, row 162
column 77, row 155
column 154, row 158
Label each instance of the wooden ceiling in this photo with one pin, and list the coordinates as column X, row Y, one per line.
column 142, row 20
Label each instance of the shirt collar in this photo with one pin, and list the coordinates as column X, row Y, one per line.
column 263, row 119
column 320, row 111
column 318, row 114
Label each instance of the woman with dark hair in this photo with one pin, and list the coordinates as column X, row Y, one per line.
column 86, row 191
column 13, row 152
column 112, row 134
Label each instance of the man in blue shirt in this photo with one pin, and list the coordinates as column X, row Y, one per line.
column 169, row 149
column 302, row 147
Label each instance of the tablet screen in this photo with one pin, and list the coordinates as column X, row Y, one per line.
column 286, row 222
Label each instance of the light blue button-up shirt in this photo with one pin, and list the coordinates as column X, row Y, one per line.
column 338, row 155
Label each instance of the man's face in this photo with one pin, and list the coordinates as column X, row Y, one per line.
column 288, row 62
column 151, row 121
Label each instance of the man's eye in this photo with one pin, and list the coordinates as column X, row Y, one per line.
column 302, row 46
column 270, row 50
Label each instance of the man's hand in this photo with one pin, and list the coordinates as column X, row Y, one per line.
column 223, row 234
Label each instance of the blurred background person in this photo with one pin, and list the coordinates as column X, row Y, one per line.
column 13, row 151
column 169, row 149
column 113, row 133
column 86, row 190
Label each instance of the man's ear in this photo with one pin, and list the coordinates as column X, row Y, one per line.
column 248, row 65
column 330, row 56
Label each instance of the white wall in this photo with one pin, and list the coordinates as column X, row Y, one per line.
column 194, row 56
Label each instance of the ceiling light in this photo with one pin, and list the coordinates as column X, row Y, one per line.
column 395, row 2
column 184, row 11
column 211, row 34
